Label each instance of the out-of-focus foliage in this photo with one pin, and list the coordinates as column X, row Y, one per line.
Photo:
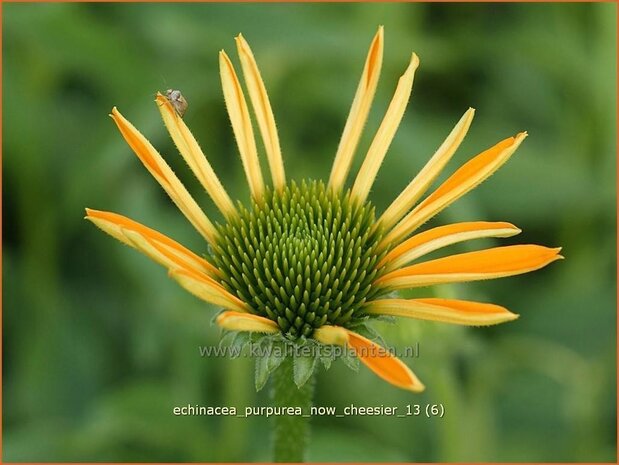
column 99, row 345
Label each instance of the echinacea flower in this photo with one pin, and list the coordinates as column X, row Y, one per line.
column 311, row 262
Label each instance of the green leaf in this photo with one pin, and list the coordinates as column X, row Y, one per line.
column 262, row 372
column 255, row 338
column 350, row 361
column 303, row 368
column 241, row 339
column 325, row 353
column 327, row 360
column 227, row 339
column 276, row 356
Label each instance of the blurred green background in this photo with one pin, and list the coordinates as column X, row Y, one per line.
column 99, row 345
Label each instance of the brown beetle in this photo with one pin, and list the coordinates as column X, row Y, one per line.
column 177, row 100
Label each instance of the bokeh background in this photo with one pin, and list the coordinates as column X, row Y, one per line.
column 99, row 345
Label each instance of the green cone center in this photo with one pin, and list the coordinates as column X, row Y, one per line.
column 303, row 257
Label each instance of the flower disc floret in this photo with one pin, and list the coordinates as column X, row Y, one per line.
column 303, row 257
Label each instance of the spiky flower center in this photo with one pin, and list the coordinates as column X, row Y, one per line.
column 303, row 257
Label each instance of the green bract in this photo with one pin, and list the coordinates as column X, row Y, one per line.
column 303, row 257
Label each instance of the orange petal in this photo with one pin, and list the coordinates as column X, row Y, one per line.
column 237, row 321
column 263, row 111
column 358, row 113
column 462, row 181
column 492, row 263
column 445, row 310
column 114, row 224
column 165, row 176
column 385, row 365
column 385, row 134
column 241, row 125
column 207, row 289
column 442, row 236
column 375, row 357
column 420, row 183
column 192, row 153
column 331, row 335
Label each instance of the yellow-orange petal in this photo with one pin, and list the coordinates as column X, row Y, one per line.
column 462, row 181
column 460, row 312
column 173, row 252
column 358, row 113
column 386, row 132
column 492, row 263
column 385, row 365
column 375, row 357
column 207, row 289
column 328, row 334
column 159, row 253
column 164, row 175
column 263, row 111
column 241, row 125
column 428, row 173
column 237, row 321
column 442, row 236
column 194, row 156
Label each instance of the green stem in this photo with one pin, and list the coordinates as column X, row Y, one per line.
column 290, row 432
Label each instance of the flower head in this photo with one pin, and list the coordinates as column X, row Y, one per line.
column 311, row 263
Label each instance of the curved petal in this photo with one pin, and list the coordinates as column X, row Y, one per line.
column 236, row 321
column 462, row 181
column 492, row 263
column 164, row 175
column 428, row 173
column 386, row 132
column 263, row 111
column 358, row 113
column 241, row 125
column 158, row 253
column 442, row 236
column 170, row 252
column 385, row 365
column 192, row 153
column 207, row 289
column 460, row 312
column 375, row 357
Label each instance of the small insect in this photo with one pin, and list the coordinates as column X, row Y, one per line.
column 177, row 100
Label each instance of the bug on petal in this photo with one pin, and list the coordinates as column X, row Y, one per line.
column 177, row 100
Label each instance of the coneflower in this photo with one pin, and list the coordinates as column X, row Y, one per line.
column 309, row 264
